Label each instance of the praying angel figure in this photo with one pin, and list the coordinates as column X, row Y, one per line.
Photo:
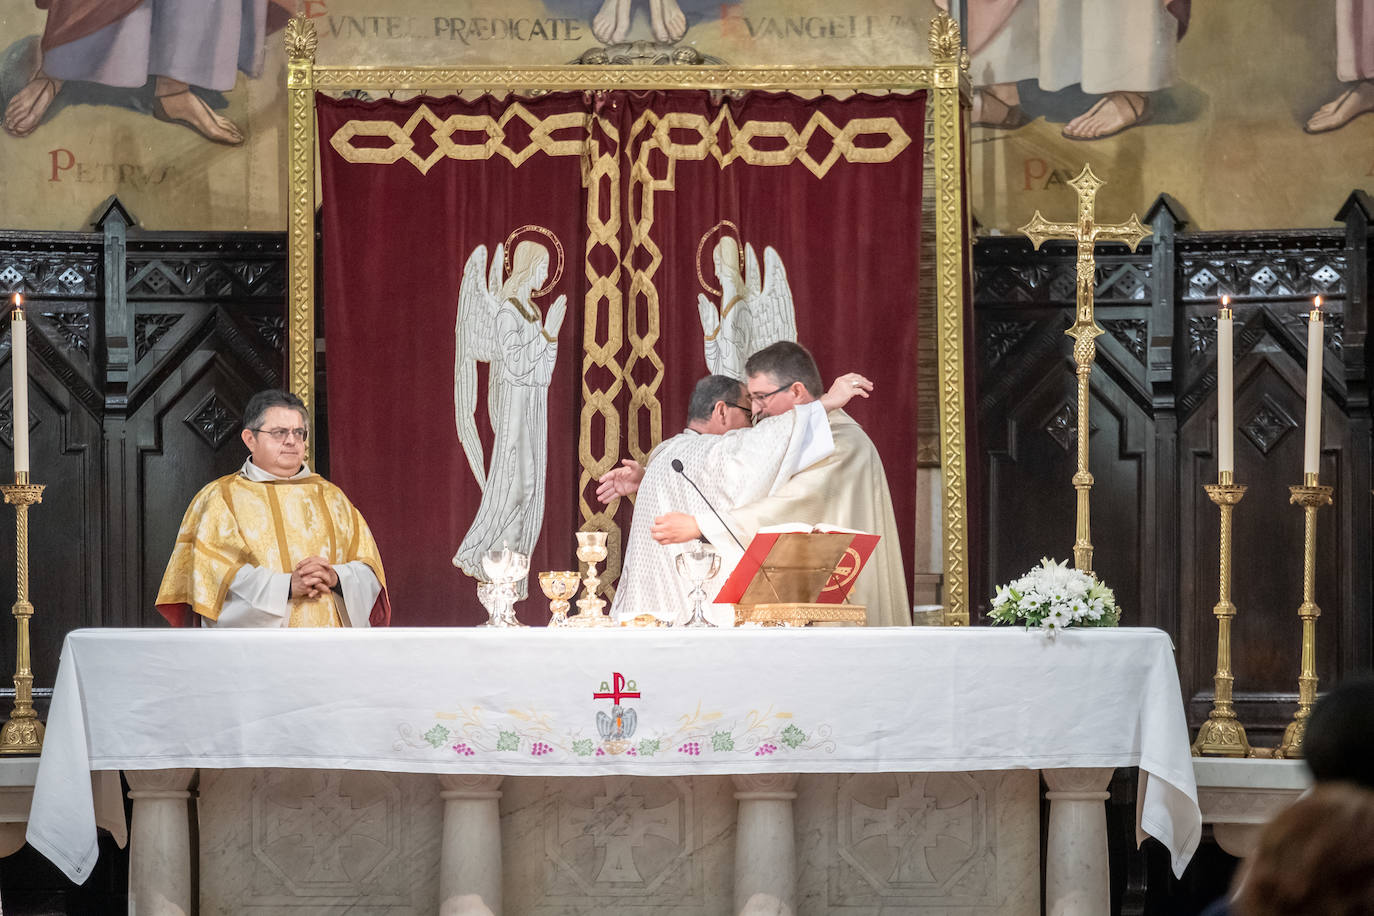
column 499, row 324
column 755, row 308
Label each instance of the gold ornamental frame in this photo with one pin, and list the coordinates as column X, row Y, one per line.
column 948, row 91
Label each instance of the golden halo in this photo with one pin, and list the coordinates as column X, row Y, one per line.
column 557, row 247
column 701, row 246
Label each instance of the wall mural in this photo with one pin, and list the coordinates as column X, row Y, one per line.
column 182, row 113
column 1159, row 96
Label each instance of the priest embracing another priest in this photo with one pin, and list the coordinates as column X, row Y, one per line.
column 804, row 461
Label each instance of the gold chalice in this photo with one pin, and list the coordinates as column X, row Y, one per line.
column 558, row 588
column 591, row 549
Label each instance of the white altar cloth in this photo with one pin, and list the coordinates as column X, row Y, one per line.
column 595, row 702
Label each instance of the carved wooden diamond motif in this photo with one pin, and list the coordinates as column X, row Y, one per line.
column 10, row 276
column 1267, row 425
column 7, row 419
column 1326, row 275
column 271, row 328
column 1000, row 337
column 73, row 327
column 1130, row 333
column 213, row 421
column 149, row 329
column 1202, row 333
column 1063, row 427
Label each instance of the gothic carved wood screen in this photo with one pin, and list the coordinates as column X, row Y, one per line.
column 1153, row 422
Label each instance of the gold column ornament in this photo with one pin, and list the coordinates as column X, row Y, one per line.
column 301, row 42
column 1085, row 329
column 947, row 100
column 23, row 733
column 1222, row 734
column 1311, row 497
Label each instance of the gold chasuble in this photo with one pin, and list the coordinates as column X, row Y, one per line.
column 235, row 522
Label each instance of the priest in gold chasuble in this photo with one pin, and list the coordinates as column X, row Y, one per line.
column 274, row 544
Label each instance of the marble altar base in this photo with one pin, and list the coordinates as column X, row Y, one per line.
column 317, row 842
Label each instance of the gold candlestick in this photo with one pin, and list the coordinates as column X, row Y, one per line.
column 23, row 733
column 1311, row 497
column 1222, row 734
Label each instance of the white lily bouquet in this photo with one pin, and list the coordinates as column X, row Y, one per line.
column 1052, row 596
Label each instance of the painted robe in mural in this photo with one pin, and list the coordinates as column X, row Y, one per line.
column 123, row 42
column 1354, row 40
column 1104, row 45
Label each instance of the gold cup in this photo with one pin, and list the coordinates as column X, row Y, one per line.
column 558, row 588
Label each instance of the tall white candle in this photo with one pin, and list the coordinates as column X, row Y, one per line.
column 1311, row 454
column 19, row 363
column 1226, row 442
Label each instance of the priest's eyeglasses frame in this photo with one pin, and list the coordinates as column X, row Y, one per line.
column 281, row 433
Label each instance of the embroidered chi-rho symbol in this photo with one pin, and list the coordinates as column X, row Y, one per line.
column 619, row 723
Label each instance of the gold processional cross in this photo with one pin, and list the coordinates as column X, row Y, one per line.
column 1084, row 331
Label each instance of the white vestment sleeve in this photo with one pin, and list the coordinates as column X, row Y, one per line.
column 753, row 463
column 256, row 598
column 811, row 441
column 359, row 586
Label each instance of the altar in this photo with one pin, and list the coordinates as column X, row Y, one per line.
column 648, row 771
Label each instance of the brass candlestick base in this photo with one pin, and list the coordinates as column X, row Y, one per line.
column 1222, row 734
column 23, row 733
column 1311, row 497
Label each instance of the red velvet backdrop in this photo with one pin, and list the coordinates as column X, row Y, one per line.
column 848, row 233
column 395, row 239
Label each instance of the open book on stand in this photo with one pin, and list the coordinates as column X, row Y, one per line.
column 799, row 574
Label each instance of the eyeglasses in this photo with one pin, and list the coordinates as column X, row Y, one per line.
column 738, row 407
column 761, row 398
column 281, row 434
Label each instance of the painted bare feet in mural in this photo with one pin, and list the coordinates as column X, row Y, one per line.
column 175, row 103
column 998, row 106
column 1344, row 108
column 29, row 104
column 668, row 22
column 612, row 23
column 1113, row 113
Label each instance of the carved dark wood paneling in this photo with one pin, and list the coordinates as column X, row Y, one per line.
column 1154, row 439
column 144, row 347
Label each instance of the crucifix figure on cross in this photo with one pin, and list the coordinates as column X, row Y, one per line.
column 1085, row 328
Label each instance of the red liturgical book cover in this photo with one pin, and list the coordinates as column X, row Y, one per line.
column 796, row 564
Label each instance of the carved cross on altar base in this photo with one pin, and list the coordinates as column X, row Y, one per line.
column 1085, row 330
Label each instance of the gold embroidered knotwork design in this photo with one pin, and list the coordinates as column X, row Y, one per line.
column 402, row 148
column 603, row 326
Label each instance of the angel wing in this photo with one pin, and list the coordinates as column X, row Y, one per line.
column 474, row 334
column 772, row 316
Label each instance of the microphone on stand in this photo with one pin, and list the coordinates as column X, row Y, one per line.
column 677, row 466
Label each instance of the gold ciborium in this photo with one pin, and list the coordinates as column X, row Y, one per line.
column 591, row 549
column 558, row 588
